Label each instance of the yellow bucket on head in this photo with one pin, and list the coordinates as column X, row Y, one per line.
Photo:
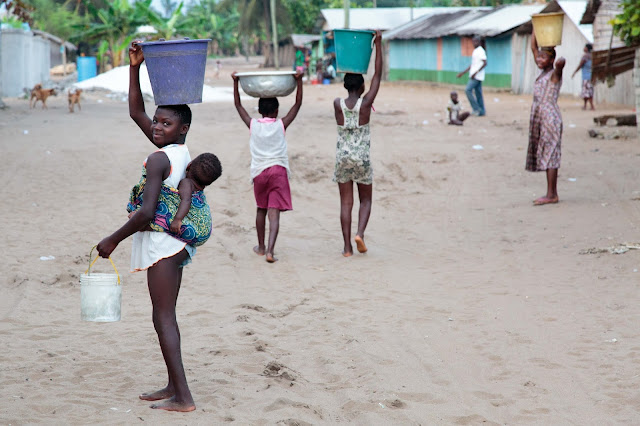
column 100, row 294
column 548, row 28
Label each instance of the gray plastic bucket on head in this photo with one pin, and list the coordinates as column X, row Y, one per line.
column 176, row 70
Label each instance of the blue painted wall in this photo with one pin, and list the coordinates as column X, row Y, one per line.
column 418, row 60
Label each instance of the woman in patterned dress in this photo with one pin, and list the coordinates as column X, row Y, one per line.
column 545, row 123
column 353, row 163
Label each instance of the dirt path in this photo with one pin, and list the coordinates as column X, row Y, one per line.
column 471, row 306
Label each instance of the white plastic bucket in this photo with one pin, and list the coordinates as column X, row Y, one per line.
column 100, row 295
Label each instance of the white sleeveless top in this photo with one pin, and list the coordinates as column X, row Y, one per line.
column 151, row 247
column 268, row 145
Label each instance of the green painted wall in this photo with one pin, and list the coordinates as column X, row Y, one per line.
column 491, row 80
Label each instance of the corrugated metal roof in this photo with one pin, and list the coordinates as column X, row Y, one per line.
column 382, row 18
column 55, row 39
column 499, row 21
column 439, row 23
column 301, row 40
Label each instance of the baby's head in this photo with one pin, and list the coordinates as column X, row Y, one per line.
column 354, row 83
column 454, row 97
column 170, row 124
column 268, row 107
column 204, row 170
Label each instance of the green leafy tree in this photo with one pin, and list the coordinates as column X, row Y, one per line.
column 56, row 18
column 116, row 23
column 18, row 8
column 255, row 20
column 168, row 7
column 167, row 28
column 627, row 24
column 303, row 14
column 11, row 21
column 205, row 20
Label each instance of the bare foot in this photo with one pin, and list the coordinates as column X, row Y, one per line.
column 545, row 200
column 259, row 251
column 173, row 405
column 271, row 258
column 347, row 253
column 362, row 248
column 157, row 395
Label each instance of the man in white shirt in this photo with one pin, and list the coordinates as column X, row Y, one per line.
column 476, row 77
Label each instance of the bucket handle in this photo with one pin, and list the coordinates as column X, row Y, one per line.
column 88, row 271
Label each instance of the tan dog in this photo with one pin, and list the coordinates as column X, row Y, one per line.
column 40, row 94
column 74, row 98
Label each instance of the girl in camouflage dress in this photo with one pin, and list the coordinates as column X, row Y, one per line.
column 545, row 125
column 353, row 163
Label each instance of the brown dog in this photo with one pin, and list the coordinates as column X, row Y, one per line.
column 40, row 94
column 74, row 98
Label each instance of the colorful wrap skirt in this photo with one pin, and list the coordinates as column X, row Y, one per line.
column 197, row 224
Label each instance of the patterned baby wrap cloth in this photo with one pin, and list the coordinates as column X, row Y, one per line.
column 196, row 226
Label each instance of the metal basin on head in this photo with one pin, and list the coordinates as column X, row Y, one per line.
column 267, row 84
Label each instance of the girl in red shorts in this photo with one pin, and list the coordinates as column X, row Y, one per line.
column 269, row 163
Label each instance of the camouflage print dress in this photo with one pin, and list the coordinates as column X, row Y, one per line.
column 352, row 152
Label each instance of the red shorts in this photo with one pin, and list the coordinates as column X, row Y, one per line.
column 271, row 189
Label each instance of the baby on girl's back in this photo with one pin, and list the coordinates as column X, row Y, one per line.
column 161, row 254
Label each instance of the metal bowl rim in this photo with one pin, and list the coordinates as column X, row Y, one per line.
column 265, row 73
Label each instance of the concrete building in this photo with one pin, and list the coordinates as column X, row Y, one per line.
column 25, row 60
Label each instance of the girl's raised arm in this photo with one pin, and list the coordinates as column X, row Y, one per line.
column 557, row 71
column 534, row 44
column 244, row 115
column 136, row 102
column 368, row 99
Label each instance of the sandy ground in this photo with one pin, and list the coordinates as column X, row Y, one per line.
column 471, row 306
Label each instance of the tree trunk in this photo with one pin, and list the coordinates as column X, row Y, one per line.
column 215, row 45
column 268, row 55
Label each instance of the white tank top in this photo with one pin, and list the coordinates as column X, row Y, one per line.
column 179, row 158
column 268, row 145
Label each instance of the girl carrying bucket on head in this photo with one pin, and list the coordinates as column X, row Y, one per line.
column 353, row 163
column 545, row 124
column 159, row 253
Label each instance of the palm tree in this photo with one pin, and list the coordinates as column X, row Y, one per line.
column 205, row 20
column 166, row 28
column 256, row 17
column 116, row 23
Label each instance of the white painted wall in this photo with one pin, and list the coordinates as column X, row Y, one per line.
column 24, row 61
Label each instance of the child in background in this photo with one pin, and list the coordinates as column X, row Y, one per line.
column 160, row 254
column 456, row 116
column 353, row 163
column 545, row 124
column 269, row 163
column 187, row 201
